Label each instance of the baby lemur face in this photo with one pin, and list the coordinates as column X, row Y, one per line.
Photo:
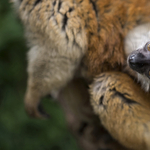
column 137, row 48
column 139, row 60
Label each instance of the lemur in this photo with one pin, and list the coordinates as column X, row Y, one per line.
column 137, row 47
column 88, row 38
column 62, row 35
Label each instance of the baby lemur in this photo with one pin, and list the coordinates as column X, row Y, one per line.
column 138, row 44
column 65, row 35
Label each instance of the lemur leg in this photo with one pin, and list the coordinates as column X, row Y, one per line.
column 58, row 42
column 82, row 121
column 123, row 108
column 46, row 76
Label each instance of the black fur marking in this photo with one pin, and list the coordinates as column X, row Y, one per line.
column 121, row 22
column 101, row 100
column 65, row 21
column 37, row 2
column 26, row 4
column 70, row 9
column 91, row 33
column 127, row 94
column 76, row 44
column 99, row 28
column 82, row 127
column 94, row 7
column 126, row 100
column 67, row 38
column 59, row 5
column 96, row 13
column 138, row 21
column 54, row 3
column 106, row 48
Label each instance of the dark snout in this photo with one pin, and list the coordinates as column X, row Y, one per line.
column 139, row 61
column 136, row 62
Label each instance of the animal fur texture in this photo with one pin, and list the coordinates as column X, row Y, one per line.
column 69, row 38
column 123, row 109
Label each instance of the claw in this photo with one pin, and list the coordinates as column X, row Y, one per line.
column 34, row 108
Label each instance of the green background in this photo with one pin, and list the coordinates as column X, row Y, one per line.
column 17, row 130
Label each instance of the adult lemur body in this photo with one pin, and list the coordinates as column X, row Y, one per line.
column 83, row 37
column 63, row 34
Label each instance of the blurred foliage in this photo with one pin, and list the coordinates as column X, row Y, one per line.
column 17, row 130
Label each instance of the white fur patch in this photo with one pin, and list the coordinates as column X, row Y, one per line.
column 137, row 38
column 134, row 40
column 145, row 81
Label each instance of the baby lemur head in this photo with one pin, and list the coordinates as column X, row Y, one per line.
column 137, row 49
column 139, row 61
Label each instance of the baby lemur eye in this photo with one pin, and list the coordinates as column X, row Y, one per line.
column 148, row 46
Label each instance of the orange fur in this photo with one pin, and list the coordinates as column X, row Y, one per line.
column 114, row 20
